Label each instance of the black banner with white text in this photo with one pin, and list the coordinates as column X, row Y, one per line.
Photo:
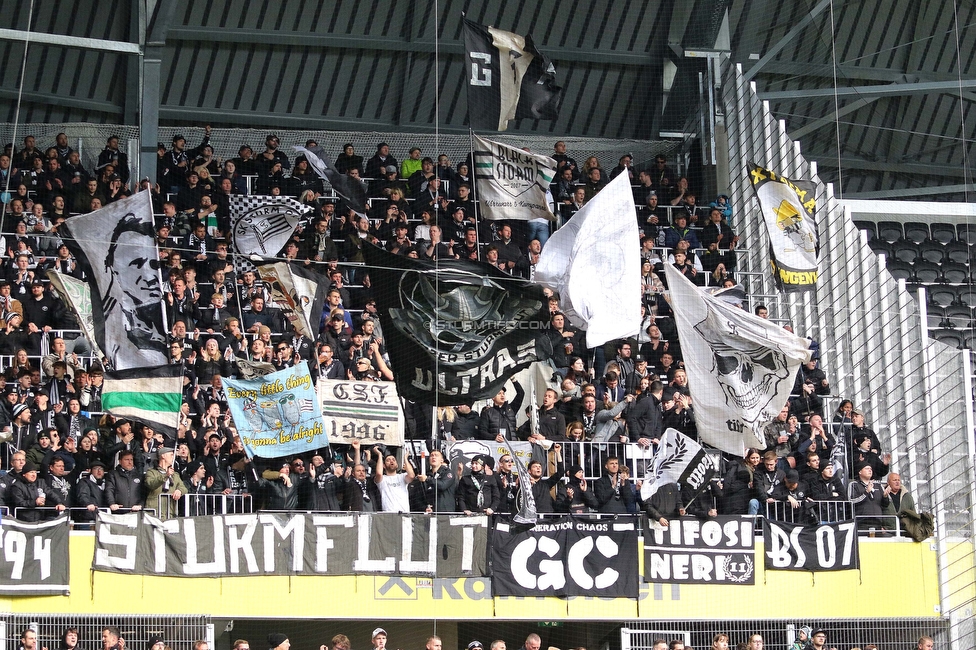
column 441, row 546
column 34, row 560
column 565, row 557
column 719, row 550
column 794, row 547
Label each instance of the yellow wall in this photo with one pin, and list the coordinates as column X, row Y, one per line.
column 888, row 567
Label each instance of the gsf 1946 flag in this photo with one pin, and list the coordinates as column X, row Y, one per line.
column 368, row 411
column 795, row 547
column 741, row 366
column 456, row 330
column 789, row 210
column 507, row 78
column 565, row 557
column 511, row 183
column 116, row 248
column 720, row 550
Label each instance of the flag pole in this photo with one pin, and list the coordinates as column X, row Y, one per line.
column 474, row 191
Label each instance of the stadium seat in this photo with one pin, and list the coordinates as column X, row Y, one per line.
column 949, row 337
column 942, row 295
column 890, row 231
column 957, row 316
column 880, row 247
column 942, row 232
column 966, row 233
column 904, row 250
column 934, row 315
column 903, row 270
column 966, row 296
column 916, row 231
column 955, row 273
column 956, row 251
column 931, row 251
column 867, row 226
column 969, row 339
column 925, row 272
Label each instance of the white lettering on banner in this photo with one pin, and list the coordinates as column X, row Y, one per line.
column 684, row 532
column 468, row 524
column 128, row 542
column 703, row 567
column 241, row 543
column 551, row 572
column 363, row 563
column 480, row 76
column 577, row 554
column 786, row 550
column 42, row 554
column 407, row 563
column 159, row 531
column 780, row 545
column 15, row 551
column 193, row 566
column 295, row 528
column 324, row 543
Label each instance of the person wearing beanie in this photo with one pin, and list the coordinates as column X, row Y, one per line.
column 30, row 493
column 155, row 642
column 869, row 497
column 477, row 493
column 278, row 641
column 575, row 496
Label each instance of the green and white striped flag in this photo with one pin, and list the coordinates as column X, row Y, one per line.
column 150, row 395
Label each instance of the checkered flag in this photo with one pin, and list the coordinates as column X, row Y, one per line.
column 261, row 225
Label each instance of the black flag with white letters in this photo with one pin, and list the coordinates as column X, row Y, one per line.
column 795, row 547
column 456, row 328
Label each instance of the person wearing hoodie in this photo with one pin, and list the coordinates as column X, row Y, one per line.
column 575, row 495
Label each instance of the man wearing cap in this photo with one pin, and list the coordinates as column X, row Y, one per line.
column 869, row 497
column 278, row 641
column 281, row 493
column 271, row 155
column 163, row 480
column 817, row 641
column 859, row 430
column 30, row 493
column 379, row 639
column 794, row 492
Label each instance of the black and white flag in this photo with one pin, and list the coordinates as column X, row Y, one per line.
column 512, row 183
column 299, row 293
column 456, row 330
column 741, row 367
column 76, row 296
column 116, row 248
column 262, row 225
column 679, row 459
column 789, row 208
column 507, row 78
column 795, row 547
column 349, row 188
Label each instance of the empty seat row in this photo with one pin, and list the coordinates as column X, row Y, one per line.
column 953, row 316
column 930, row 251
column 959, row 339
column 924, row 272
column 918, row 231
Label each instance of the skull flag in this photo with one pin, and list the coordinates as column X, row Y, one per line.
column 456, row 330
column 789, row 210
column 740, row 366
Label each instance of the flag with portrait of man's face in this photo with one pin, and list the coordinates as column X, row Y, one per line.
column 116, row 248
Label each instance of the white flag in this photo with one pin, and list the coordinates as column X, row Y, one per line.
column 679, row 460
column 740, row 366
column 594, row 263
column 512, row 183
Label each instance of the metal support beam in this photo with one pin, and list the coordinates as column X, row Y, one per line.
column 914, row 192
column 396, row 45
column 829, row 119
column 881, row 90
column 828, row 160
column 157, row 18
column 786, row 40
column 121, row 47
column 62, row 100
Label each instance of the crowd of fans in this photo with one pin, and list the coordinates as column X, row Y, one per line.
column 807, row 638
column 63, row 452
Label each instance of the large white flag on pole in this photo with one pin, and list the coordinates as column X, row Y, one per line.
column 594, row 263
column 512, row 183
column 740, row 366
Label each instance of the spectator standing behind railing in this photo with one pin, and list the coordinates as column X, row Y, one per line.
column 123, row 487
column 869, row 498
column 280, row 493
column 163, row 480
column 30, row 493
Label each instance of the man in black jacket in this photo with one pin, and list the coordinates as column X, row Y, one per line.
column 645, row 418
column 478, row 493
column 541, row 488
column 498, row 420
column 608, row 488
column 123, row 487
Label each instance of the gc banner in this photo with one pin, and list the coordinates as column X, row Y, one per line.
column 720, row 550
column 369, row 411
column 794, row 547
column 441, row 546
column 565, row 557
column 34, row 557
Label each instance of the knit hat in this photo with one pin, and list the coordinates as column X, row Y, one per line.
column 153, row 640
column 275, row 639
column 29, row 467
column 18, row 409
column 806, row 629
